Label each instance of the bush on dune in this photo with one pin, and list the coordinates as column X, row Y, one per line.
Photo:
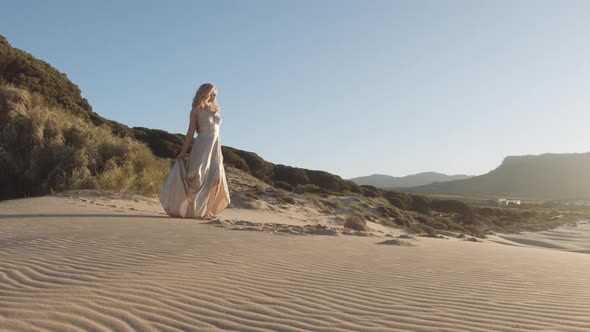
column 163, row 144
column 370, row 191
column 43, row 148
column 230, row 158
column 356, row 222
column 291, row 175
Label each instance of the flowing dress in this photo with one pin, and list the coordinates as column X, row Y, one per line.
column 196, row 187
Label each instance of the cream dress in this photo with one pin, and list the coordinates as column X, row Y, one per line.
column 196, row 187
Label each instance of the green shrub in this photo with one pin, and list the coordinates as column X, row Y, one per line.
column 163, row 144
column 291, row 175
column 401, row 201
column 328, row 181
column 354, row 188
column 451, row 206
column 230, row 158
column 283, row 185
column 370, row 191
column 44, row 149
column 257, row 166
column 311, row 188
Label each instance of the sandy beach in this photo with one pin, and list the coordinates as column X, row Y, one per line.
column 77, row 264
column 564, row 238
column 331, row 165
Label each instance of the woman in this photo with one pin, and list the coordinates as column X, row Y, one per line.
column 196, row 186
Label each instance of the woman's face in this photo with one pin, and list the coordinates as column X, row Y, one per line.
column 212, row 96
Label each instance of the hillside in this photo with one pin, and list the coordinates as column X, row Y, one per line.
column 51, row 140
column 388, row 181
column 548, row 176
column 34, row 92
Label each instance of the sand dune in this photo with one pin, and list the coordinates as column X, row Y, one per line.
column 71, row 265
column 573, row 238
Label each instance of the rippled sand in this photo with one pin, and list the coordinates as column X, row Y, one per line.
column 68, row 267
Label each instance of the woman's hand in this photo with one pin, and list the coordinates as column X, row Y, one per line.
column 189, row 136
column 182, row 156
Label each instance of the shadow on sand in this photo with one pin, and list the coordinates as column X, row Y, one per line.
column 79, row 215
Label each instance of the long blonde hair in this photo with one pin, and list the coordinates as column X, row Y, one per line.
column 201, row 99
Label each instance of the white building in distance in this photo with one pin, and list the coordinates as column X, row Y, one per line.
column 506, row 202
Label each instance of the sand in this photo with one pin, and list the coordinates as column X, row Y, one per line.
column 565, row 238
column 104, row 264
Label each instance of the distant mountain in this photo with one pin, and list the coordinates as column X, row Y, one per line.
column 388, row 181
column 546, row 176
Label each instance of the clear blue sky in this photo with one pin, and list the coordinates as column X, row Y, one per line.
column 349, row 87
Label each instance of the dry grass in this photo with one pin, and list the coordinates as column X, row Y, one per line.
column 356, row 222
column 45, row 149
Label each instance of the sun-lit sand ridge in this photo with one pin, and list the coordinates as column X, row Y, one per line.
column 100, row 263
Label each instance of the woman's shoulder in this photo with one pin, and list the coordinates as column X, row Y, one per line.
column 213, row 108
column 208, row 108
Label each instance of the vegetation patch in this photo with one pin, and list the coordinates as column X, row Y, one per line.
column 356, row 223
column 45, row 149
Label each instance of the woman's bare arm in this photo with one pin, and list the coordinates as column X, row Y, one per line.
column 192, row 127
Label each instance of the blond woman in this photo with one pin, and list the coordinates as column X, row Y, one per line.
column 196, row 187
